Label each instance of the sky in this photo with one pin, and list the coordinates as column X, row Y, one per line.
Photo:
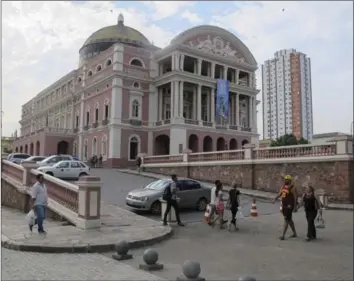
column 41, row 42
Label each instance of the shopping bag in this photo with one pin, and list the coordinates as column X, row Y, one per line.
column 239, row 214
column 207, row 214
column 320, row 223
column 31, row 217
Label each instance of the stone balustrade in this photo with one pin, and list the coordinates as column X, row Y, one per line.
column 78, row 203
column 329, row 167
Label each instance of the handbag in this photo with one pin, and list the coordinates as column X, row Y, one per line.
column 207, row 214
column 320, row 223
column 220, row 207
column 31, row 217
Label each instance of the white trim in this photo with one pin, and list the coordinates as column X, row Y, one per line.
column 136, row 58
column 129, row 140
column 97, row 105
column 98, row 67
column 135, row 100
column 311, row 159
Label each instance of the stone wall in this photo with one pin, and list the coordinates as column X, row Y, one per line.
column 14, row 198
column 335, row 177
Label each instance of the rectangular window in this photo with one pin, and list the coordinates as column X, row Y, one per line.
column 106, row 112
column 77, row 121
column 96, row 115
column 87, row 118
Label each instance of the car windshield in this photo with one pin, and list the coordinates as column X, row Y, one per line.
column 157, row 185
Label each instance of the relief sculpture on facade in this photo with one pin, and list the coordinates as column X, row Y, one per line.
column 215, row 46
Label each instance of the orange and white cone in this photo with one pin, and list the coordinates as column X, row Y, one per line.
column 254, row 212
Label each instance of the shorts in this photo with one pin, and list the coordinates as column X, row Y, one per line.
column 288, row 213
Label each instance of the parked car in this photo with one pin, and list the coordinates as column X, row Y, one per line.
column 67, row 170
column 191, row 193
column 17, row 157
column 34, row 159
column 51, row 160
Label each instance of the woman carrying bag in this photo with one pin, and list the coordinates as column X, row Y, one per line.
column 312, row 206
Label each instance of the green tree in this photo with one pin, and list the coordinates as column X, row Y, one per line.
column 288, row 139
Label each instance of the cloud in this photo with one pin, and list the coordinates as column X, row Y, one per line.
column 165, row 9
column 41, row 42
column 192, row 17
column 322, row 30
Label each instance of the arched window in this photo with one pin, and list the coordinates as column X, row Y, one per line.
column 108, row 62
column 136, row 62
column 79, row 79
column 106, row 110
column 136, row 85
column 135, row 109
column 77, row 120
column 104, row 147
column 94, row 146
column 87, row 117
column 85, row 151
column 89, row 73
column 96, row 112
column 134, row 147
column 98, row 68
column 75, row 149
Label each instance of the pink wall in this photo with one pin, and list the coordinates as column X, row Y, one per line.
column 131, row 52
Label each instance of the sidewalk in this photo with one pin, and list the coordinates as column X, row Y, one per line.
column 248, row 192
column 117, row 225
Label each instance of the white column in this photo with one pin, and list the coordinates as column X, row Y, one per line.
column 195, row 100
column 172, row 98
column 160, row 104
column 199, row 102
column 181, row 99
column 153, row 104
column 237, row 109
column 182, row 62
column 237, row 73
column 116, row 101
column 212, row 104
column 118, row 57
column 65, row 120
column 196, row 70
column 199, row 66
column 212, row 70
column 250, row 112
column 208, row 106
column 82, row 114
column 176, row 99
column 225, row 72
column 254, row 115
column 173, row 59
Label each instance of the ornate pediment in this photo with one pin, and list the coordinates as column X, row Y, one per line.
column 215, row 45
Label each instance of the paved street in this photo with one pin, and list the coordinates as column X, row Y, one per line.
column 256, row 250
column 116, row 186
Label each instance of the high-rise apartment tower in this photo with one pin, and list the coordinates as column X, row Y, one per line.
column 287, row 95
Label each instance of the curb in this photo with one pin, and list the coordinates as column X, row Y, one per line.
column 340, row 208
column 80, row 248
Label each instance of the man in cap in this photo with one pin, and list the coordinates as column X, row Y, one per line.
column 288, row 197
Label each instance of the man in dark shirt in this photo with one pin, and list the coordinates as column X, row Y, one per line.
column 234, row 203
column 172, row 201
column 289, row 200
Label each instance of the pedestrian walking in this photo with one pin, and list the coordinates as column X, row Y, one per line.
column 289, row 201
column 138, row 163
column 233, row 204
column 39, row 202
column 213, row 201
column 219, row 206
column 312, row 206
column 100, row 161
column 170, row 196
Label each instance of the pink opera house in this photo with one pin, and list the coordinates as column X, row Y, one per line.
column 128, row 97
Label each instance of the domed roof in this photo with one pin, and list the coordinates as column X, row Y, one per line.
column 118, row 33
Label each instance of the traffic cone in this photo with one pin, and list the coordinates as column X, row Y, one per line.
column 254, row 212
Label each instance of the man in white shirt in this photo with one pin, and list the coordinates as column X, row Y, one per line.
column 39, row 202
column 213, row 200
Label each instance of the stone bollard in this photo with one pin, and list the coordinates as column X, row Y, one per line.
column 122, row 249
column 150, row 258
column 191, row 271
column 246, row 278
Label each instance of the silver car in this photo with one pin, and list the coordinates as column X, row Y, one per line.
column 191, row 193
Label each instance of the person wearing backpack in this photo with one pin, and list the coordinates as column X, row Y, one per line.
column 170, row 196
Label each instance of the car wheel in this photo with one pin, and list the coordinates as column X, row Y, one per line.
column 156, row 208
column 202, row 204
column 50, row 173
column 82, row 175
